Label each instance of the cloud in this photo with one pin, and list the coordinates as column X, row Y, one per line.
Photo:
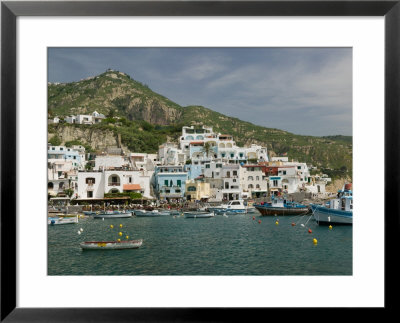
column 283, row 88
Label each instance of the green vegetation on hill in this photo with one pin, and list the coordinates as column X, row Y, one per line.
column 148, row 119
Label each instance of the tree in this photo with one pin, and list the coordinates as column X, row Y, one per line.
column 111, row 113
column 207, row 149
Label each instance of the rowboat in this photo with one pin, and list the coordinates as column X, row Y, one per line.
column 198, row 214
column 111, row 245
column 112, row 215
column 62, row 220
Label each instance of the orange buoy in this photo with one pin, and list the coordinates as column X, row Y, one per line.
column 293, row 224
column 254, row 217
column 309, row 231
column 259, row 221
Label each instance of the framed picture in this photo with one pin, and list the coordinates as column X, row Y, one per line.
column 43, row 42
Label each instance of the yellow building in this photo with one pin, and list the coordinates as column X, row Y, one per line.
column 196, row 190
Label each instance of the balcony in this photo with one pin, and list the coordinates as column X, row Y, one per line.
column 114, row 184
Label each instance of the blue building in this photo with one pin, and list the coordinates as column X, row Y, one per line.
column 170, row 182
column 65, row 153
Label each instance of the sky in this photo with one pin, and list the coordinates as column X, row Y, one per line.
column 306, row 91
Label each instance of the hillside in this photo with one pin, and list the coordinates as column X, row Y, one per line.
column 148, row 119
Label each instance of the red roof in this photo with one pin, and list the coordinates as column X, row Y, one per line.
column 132, row 187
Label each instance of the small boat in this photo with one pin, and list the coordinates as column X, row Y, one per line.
column 218, row 209
column 198, row 214
column 154, row 213
column 89, row 212
column 112, row 215
column 111, row 245
column 337, row 211
column 234, row 207
column 280, row 206
column 62, row 220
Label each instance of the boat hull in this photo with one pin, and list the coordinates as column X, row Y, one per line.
column 112, row 215
column 269, row 210
column 68, row 220
column 111, row 245
column 326, row 216
column 195, row 215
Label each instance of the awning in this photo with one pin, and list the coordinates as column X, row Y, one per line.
column 132, row 187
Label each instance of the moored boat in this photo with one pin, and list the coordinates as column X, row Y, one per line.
column 233, row 207
column 280, row 206
column 337, row 211
column 198, row 214
column 62, row 220
column 112, row 215
column 153, row 213
column 111, row 245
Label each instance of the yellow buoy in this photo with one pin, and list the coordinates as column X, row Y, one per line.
column 120, row 234
column 277, row 222
column 315, row 241
column 119, row 240
column 330, row 227
column 127, row 237
column 111, row 226
column 120, row 225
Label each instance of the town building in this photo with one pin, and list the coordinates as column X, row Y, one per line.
column 170, row 182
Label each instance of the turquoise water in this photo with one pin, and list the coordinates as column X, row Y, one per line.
column 233, row 245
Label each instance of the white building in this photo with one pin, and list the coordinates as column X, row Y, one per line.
column 222, row 146
column 253, row 181
column 93, row 185
column 93, row 118
column 104, row 162
column 170, row 154
column 143, row 161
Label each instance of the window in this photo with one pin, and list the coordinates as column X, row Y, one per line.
column 284, row 172
column 258, row 186
column 171, row 182
column 218, row 165
column 179, row 182
column 50, row 185
column 130, row 179
column 166, row 182
column 89, row 193
column 234, row 180
column 250, row 186
column 90, row 180
column 167, row 191
column 191, row 189
column 275, row 182
column 177, row 191
column 298, row 167
column 250, row 178
column 234, row 173
column 207, row 165
column 61, row 148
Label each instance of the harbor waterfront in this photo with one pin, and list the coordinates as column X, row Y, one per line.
column 239, row 244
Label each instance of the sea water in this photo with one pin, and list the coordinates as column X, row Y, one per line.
column 246, row 244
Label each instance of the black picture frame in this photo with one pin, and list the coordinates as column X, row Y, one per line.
column 10, row 10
